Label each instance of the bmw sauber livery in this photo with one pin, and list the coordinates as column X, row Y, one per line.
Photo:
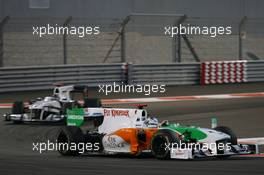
column 51, row 108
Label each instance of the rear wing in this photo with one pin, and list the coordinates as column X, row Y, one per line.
column 112, row 118
column 77, row 116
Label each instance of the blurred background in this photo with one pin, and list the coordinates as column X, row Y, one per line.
column 131, row 31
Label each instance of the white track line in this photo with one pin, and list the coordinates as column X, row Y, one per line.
column 169, row 99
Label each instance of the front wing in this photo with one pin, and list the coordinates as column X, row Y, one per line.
column 192, row 154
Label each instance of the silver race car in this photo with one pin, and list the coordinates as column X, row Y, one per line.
column 51, row 108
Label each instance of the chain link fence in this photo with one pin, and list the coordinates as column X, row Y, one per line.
column 21, row 47
column 252, row 36
column 211, row 47
column 140, row 38
column 146, row 41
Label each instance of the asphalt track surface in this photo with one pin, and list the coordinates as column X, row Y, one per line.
column 244, row 116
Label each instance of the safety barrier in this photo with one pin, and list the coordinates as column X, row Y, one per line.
column 255, row 71
column 169, row 74
column 43, row 77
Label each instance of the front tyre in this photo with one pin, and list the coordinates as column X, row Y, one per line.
column 68, row 136
column 228, row 131
column 161, row 143
column 233, row 137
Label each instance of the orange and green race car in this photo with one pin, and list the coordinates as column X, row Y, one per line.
column 131, row 131
column 108, row 131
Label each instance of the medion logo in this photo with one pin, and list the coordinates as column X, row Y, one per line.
column 115, row 113
column 75, row 117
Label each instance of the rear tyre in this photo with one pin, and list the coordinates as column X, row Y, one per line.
column 18, row 108
column 66, row 106
column 92, row 103
column 68, row 136
column 160, row 140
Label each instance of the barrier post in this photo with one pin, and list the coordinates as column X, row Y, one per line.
column 240, row 37
column 67, row 21
column 2, row 24
column 121, row 33
column 177, row 41
column 129, row 73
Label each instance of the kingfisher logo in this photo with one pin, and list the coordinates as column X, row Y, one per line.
column 116, row 113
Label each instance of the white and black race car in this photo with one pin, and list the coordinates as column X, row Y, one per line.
column 51, row 108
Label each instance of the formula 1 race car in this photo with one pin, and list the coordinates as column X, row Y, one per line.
column 176, row 141
column 112, row 130
column 51, row 108
column 131, row 131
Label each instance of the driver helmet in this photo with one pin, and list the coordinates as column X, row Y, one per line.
column 151, row 122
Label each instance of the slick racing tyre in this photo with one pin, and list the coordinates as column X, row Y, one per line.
column 92, row 102
column 229, row 132
column 18, row 108
column 161, row 140
column 233, row 138
column 67, row 136
column 7, row 117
